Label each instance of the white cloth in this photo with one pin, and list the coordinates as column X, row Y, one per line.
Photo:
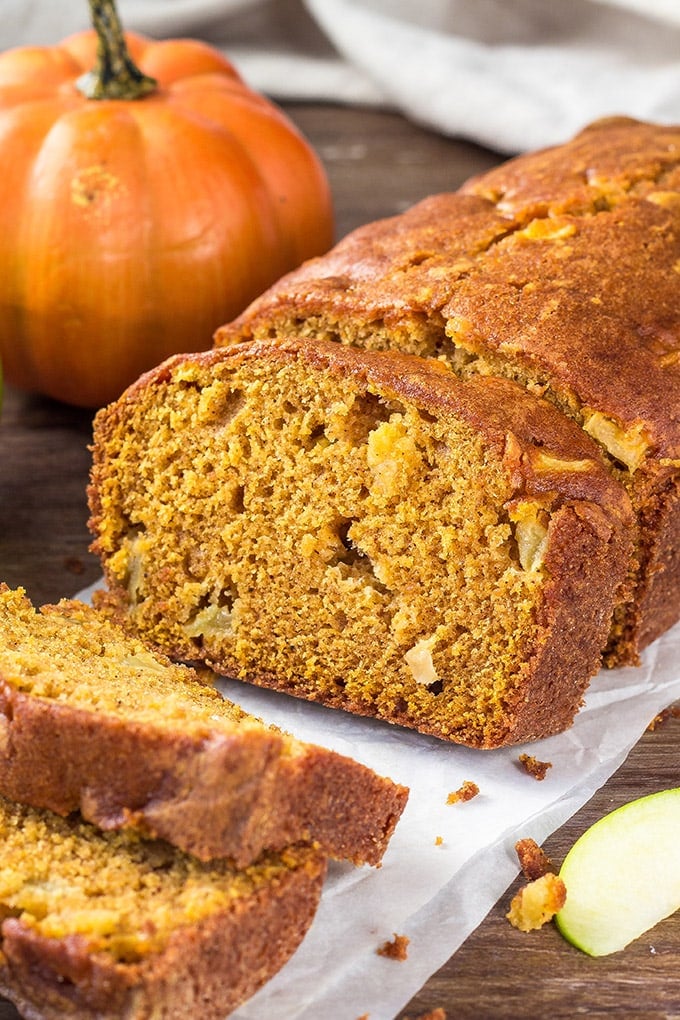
column 511, row 74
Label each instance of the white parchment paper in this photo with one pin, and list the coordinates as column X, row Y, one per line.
column 437, row 894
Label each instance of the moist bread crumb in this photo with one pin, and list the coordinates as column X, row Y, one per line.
column 537, row 902
column 466, row 791
column 533, row 767
column 395, row 949
column 365, row 530
column 533, row 860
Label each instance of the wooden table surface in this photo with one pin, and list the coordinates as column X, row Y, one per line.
column 379, row 164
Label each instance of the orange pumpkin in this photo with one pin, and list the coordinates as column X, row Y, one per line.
column 133, row 227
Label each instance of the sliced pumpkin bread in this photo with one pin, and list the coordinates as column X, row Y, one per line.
column 109, row 926
column 91, row 720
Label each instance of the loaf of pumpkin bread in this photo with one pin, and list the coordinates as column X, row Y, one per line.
column 91, row 720
column 560, row 270
column 365, row 530
column 109, row 926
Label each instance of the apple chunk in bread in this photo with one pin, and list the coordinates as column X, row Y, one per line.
column 623, row 875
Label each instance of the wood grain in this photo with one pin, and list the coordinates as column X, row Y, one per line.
column 378, row 165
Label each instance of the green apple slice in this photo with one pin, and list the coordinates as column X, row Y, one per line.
column 623, row 875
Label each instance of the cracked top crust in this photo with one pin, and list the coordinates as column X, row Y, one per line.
column 561, row 267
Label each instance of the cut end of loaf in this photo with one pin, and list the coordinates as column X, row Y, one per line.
column 347, row 528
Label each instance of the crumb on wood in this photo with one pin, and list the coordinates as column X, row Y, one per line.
column 673, row 712
column 533, row 766
column 434, row 1014
column 395, row 949
column 533, row 860
column 466, row 791
column 74, row 565
column 537, row 902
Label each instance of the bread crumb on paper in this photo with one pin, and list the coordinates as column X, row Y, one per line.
column 533, row 860
column 395, row 949
column 438, row 840
column 537, row 902
column 466, row 791
column 533, row 766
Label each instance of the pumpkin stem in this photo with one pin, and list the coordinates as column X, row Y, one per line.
column 115, row 75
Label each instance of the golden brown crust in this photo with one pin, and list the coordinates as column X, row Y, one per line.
column 212, row 793
column 207, row 969
column 546, row 457
column 606, row 161
column 367, row 278
column 559, row 269
column 656, row 605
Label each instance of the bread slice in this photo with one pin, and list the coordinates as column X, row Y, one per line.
column 559, row 270
column 108, row 926
column 90, row 719
column 363, row 530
